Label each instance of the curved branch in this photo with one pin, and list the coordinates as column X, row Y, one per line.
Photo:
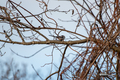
column 62, row 60
column 51, row 75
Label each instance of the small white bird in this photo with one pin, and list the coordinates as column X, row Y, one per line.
column 60, row 38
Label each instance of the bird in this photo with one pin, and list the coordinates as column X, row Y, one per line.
column 60, row 38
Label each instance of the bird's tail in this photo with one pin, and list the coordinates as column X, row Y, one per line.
column 52, row 35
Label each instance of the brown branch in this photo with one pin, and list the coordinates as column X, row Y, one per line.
column 62, row 61
column 48, row 42
column 51, row 75
column 39, row 28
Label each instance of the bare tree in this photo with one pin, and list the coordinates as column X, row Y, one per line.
column 95, row 55
column 10, row 70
